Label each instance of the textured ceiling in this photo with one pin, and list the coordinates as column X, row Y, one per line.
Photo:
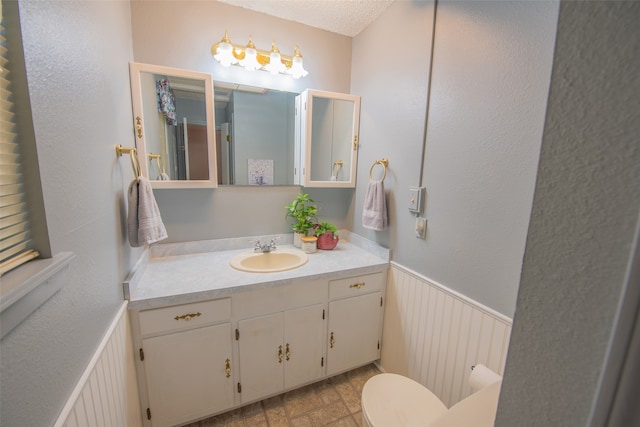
column 347, row 17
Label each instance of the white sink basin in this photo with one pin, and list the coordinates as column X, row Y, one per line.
column 269, row 262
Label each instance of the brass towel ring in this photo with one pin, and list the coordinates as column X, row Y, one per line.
column 133, row 155
column 337, row 165
column 157, row 158
column 384, row 162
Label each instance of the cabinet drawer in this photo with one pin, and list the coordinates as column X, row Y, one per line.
column 168, row 319
column 278, row 298
column 357, row 285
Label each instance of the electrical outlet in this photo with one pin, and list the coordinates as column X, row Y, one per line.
column 421, row 228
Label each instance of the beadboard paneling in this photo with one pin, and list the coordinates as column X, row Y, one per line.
column 434, row 335
column 106, row 394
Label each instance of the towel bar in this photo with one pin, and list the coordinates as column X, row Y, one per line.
column 133, row 154
column 384, row 162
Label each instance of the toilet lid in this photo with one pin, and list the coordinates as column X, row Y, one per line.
column 391, row 400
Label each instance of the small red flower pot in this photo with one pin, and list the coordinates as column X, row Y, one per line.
column 327, row 241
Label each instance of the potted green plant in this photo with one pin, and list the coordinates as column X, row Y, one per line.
column 303, row 212
column 327, row 234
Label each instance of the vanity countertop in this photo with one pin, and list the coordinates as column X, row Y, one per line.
column 172, row 275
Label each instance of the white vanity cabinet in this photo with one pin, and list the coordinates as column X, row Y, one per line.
column 355, row 321
column 199, row 359
column 184, row 361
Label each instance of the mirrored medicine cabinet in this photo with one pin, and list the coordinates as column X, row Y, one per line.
column 328, row 127
column 174, row 126
column 193, row 132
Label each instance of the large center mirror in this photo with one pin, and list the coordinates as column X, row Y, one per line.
column 255, row 133
column 174, row 126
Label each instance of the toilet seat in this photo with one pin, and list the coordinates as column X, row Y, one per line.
column 391, row 400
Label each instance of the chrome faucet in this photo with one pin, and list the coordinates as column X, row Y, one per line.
column 265, row 247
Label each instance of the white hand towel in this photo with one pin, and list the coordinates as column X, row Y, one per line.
column 143, row 221
column 374, row 212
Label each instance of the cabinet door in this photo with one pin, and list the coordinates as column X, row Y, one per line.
column 187, row 374
column 153, row 135
column 261, row 352
column 304, row 339
column 354, row 332
column 327, row 133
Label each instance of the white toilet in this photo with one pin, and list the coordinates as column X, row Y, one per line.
column 391, row 400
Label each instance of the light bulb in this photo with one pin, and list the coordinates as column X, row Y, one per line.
column 275, row 64
column 297, row 69
column 224, row 52
column 250, row 61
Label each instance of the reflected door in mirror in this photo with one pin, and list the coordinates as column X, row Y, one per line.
column 175, row 126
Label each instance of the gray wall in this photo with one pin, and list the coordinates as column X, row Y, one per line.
column 585, row 210
column 76, row 60
column 490, row 79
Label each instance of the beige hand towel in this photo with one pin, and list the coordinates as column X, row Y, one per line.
column 374, row 212
column 143, row 221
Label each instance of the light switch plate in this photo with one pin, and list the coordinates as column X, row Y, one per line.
column 415, row 199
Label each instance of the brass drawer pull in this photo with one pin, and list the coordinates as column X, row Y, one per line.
column 280, row 354
column 331, row 341
column 357, row 285
column 287, row 352
column 188, row 317
column 227, row 368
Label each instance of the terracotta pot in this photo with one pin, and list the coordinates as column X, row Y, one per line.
column 327, row 241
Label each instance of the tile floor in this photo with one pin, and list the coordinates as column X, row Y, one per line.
column 333, row 402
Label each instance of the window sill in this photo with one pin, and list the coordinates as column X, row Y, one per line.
column 27, row 287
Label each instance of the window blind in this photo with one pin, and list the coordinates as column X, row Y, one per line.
column 15, row 237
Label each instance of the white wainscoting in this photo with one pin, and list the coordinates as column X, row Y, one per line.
column 106, row 394
column 434, row 335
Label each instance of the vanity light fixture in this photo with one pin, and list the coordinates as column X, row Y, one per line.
column 251, row 58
